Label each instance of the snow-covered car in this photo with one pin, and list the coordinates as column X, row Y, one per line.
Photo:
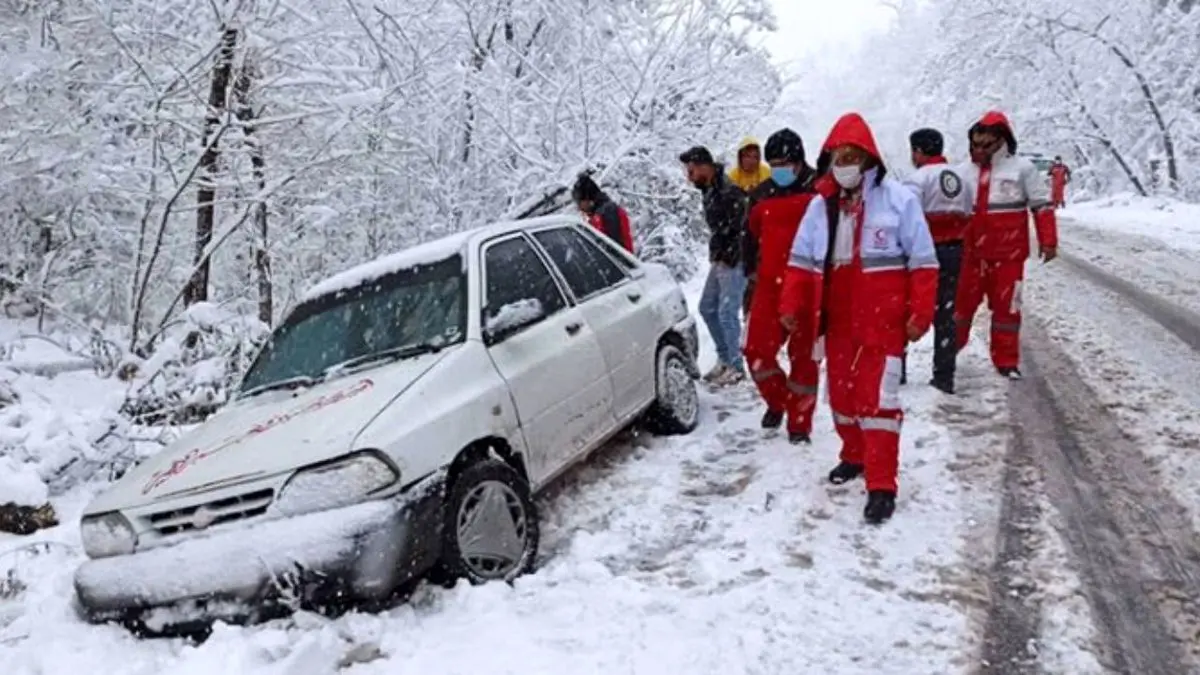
column 396, row 423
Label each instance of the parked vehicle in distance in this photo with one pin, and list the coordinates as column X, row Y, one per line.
column 397, row 423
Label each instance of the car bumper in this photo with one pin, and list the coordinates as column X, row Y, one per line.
column 691, row 343
column 359, row 553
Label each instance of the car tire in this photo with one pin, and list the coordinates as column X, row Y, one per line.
column 676, row 407
column 491, row 528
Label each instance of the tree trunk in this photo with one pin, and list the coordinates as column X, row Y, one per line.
column 206, row 192
column 258, row 164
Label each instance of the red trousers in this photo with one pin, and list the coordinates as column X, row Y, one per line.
column 864, row 393
column 783, row 392
column 1000, row 282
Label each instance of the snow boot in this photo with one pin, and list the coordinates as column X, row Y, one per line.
column 845, row 472
column 772, row 419
column 798, row 438
column 881, row 504
column 1011, row 373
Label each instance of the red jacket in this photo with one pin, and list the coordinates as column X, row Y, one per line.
column 775, row 214
column 1060, row 175
column 1007, row 188
column 945, row 198
column 611, row 219
column 887, row 276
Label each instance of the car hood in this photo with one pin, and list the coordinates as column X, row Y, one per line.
column 269, row 434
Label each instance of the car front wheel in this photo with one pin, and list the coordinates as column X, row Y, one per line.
column 491, row 528
column 676, row 409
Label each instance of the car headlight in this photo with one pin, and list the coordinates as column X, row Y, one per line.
column 338, row 483
column 106, row 535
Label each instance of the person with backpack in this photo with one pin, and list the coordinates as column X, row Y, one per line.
column 603, row 213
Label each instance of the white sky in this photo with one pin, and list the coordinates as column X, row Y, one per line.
column 807, row 27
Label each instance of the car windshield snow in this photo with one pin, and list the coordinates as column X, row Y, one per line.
column 404, row 313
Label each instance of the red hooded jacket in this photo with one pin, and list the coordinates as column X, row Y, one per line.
column 884, row 277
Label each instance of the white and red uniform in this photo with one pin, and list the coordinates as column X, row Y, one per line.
column 861, row 269
column 1006, row 190
column 948, row 204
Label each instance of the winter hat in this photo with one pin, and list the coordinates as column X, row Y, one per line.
column 785, row 145
column 697, row 155
column 585, row 188
column 927, row 141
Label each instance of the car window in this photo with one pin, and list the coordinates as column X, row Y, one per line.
column 615, row 252
column 587, row 270
column 519, row 286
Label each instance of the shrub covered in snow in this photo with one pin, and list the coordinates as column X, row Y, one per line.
column 192, row 366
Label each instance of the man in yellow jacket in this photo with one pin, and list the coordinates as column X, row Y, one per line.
column 747, row 173
column 749, row 170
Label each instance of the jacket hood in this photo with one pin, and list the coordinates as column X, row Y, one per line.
column 998, row 121
column 748, row 142
column 850, row 129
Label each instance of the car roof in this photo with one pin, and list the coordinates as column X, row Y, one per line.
column 428, row 252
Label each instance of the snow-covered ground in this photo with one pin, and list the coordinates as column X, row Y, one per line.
column 1174, row 223
column 721, row 552
column 1147, row 377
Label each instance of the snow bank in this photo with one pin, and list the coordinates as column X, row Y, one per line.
column 1173, row 222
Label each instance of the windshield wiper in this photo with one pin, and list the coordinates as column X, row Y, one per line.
column 383, row 356
column 286, row 383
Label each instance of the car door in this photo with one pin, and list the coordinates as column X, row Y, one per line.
column 552, row 363
column 613, row 302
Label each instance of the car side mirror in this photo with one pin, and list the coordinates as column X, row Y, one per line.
column 511, row 319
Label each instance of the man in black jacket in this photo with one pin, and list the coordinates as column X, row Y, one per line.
column 721, row 301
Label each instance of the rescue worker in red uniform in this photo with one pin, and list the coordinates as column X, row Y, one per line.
column 608, row 217
column 1060, row 175
column 1006, row 188
column 776, row 207
column 863, row 276
column 947, row 205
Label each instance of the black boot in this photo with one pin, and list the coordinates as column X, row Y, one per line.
column 1011, row 373
column 772, row 419
column 942, row 384
column 845, row 472
column 881, row 504
column 798, row 437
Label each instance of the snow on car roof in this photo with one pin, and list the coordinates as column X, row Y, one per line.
column 428, row 252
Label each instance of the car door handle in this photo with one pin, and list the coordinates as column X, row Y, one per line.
column 573, row 328
column 634, row 296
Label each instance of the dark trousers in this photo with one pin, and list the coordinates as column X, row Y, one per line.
column 944, row 348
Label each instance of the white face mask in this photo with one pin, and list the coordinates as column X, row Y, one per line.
column 848, row 177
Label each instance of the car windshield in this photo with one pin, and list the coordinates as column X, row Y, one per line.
column 404, row 313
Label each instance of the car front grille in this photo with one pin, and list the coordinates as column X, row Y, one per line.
column 229, row 509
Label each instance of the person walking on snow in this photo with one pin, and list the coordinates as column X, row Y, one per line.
column 947, row 204
column 603, row 213
column 721, row 299
column 1006, row 188
column 1060, row 175
column 862, row 276
column 749, row 173
column 776, row 207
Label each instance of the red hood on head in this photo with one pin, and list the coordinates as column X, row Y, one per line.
column 997, row 119
column 852, row 129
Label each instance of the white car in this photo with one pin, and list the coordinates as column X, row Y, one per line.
column 396, row 423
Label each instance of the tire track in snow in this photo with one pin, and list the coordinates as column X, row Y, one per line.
column 1137, row 555
column 1182, row 323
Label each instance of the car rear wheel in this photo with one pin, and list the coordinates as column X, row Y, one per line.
column 676, row 410
column 491, row 528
